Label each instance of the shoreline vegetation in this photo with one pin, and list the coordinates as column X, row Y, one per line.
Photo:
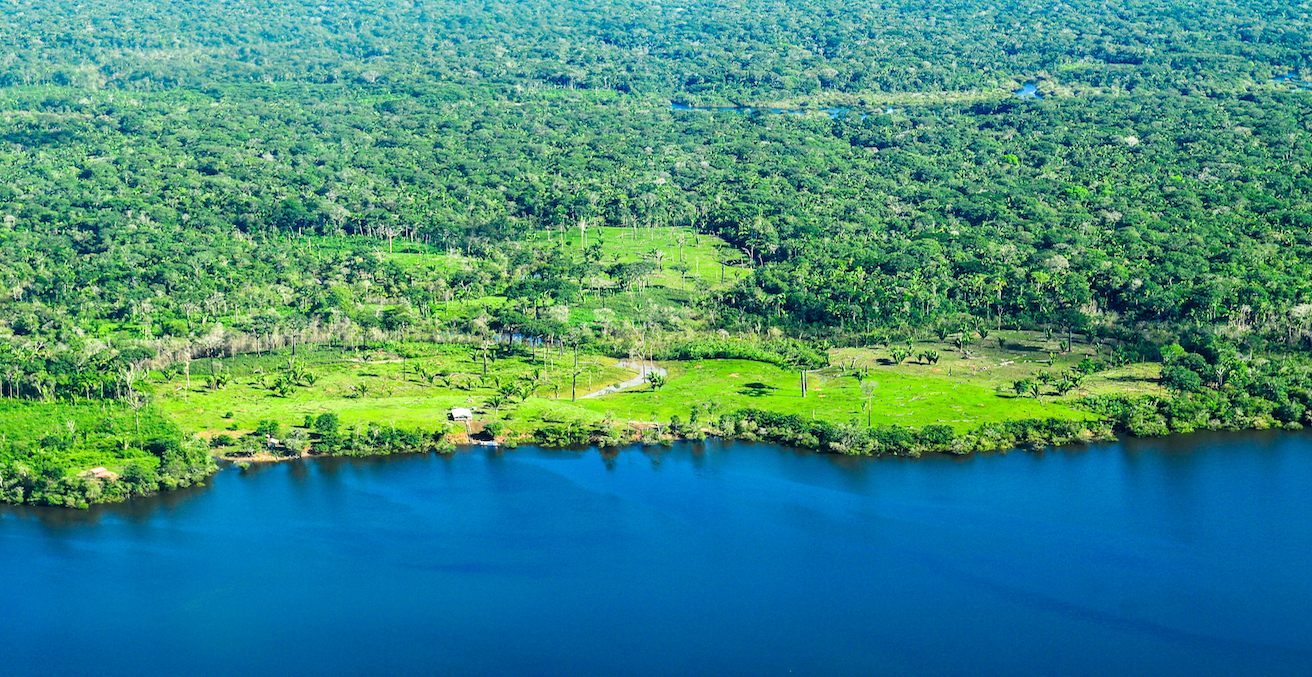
column 863, row 401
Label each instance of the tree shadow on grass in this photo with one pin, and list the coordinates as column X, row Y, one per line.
column 1132, row 379
column 757, row 389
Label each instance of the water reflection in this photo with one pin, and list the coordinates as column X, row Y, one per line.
column 1293, row 80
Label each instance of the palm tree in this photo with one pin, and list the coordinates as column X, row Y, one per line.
column 658, row 257
column 496, row 401
column 965, row 340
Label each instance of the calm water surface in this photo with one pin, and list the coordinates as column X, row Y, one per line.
column 1185, row 557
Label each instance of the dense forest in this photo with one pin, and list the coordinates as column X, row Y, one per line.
column 180, row 181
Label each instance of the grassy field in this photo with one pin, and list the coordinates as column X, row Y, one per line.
column 898, row 399
column 389, row 388
column 382, row 387
column 1025, row 355
column 78, row 436
column 689, row 263
column 701, row 254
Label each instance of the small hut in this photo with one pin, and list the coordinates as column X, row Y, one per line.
column 100, row 474
column 460, row 415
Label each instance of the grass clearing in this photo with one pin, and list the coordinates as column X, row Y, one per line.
column 414, row 385
column 381, row 387
column 898, row 399
column 79, row 436
column 687, row 258
column 386, row 388
column 1021, row 355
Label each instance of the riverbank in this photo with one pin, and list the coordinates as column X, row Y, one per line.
column 1021, row 389
column 744, row 425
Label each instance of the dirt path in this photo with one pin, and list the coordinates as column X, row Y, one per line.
column 643, row 368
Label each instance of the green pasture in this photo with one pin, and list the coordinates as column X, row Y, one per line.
column 1020, row 355
column 702, row 255
column 387, row 387
column 76, row 437
column 898, row 399
column 382, row 386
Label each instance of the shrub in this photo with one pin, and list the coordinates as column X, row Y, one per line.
column 937, row 436
column 267, row 427
column 327, row 423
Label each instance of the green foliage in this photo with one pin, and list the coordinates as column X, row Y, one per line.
column 72, row 439
column 577, row 434
column 1181, row 379
column 755, row 424
column 267, row 428
column 780, row 352
column 375, row 440
column 326, row 423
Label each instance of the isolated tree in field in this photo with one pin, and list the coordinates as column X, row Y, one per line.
column 137, row 400
column 496, row 401
column 574, row 383
column 219, row 380
column 658, row 256
column 682, row 269
column 965, row 340
column 656, row 379
column 326, row 423
column 899, row 354
column 868, row 389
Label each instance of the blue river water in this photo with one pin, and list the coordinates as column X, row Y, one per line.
column 1186, row 556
